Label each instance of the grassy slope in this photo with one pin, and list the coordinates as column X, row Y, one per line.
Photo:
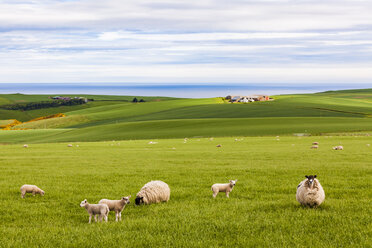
column 103, row 120
column 261, row 211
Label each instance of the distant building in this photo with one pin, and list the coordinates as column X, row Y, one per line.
column 246, row 99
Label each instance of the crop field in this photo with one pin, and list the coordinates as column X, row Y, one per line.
column 261, row 212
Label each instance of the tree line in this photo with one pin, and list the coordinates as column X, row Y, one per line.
column 43, row 104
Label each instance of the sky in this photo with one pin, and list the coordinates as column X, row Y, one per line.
column 268, row 42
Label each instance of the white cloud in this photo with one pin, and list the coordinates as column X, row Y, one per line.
column 185, row 41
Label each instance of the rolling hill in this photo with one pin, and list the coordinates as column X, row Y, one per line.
column 116, row 117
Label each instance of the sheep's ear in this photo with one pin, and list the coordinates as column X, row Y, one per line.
column 306, row 176
column 314, row 176
column 230, row 181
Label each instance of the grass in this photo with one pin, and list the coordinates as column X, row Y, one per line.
column 261, row 211
column 186, row 128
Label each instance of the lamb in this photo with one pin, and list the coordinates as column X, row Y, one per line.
column 310, row 192
column 338, row 148
column 223, row 187
column 153, row 192
column 96, row 209
column 31, row 189
column 116, row 205
column 314, row 147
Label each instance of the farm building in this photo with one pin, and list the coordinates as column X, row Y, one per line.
column 246, row 99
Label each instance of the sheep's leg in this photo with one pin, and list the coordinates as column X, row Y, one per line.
column 33, row 193
column 106, row 217
column 23, row 195
column 227, row 194
column 95, row 217
column 116, row 216
column 120, row 216
column 100, row 218
column 90, row 218
column 215, row 194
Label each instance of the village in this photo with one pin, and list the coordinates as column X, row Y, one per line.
column 247, row 99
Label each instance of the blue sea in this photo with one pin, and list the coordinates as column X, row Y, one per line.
column 171, row 90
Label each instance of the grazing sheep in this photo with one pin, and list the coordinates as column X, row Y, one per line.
column 31, row 189
column 153, row 192
column 219, row 145
column 309, row 192
column 116, row 205
column 314, row 147
column 69, row 145
column 96, row 209
column 315, row 143
column 25, row 146
column 338, row 148
column 223, row 187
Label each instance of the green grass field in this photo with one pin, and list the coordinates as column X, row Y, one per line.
column 111, row 157
column 261, row 211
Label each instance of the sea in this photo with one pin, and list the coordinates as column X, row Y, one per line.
column 171, row 90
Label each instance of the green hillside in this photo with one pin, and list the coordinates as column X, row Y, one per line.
column 116, row 117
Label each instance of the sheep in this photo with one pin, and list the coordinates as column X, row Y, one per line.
column 25, row 146
column 69, row 145
column 96, row 209
column 314, row 147
column 153, row 192
column 219, row 145
column 315, row 143
column 31, row 189
column 223, row 187
column 116, row 205
column 338, row 148
column 310, row 192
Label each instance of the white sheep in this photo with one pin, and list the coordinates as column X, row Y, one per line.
column 153, row 192
column 31, row 189
column 314, row 147
column 310, row 192
column 223, row 187
column 25, row 146
column 69, row 145
column 96, row 209
column 116, row 205
column 338, row 148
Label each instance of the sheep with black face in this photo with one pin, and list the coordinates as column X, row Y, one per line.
column 153, row 192
column 310, row 192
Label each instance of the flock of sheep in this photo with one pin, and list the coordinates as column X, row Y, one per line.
column 309, row 193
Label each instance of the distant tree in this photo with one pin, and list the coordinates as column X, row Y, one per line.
column 135, row 99
column 142, row 100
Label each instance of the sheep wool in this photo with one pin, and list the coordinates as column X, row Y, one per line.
column 31, row 189
column 153, row 192
column 310, row 192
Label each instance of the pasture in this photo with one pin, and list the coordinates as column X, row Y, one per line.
column 261, row 212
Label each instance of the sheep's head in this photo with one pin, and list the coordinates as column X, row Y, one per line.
column 139, row 200
column 83, row 203
column 310, row 180
column 42, row 193
column 126, row 199
column 233, row 182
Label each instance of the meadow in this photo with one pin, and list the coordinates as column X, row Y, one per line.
column 261, row 212
column 265, row 145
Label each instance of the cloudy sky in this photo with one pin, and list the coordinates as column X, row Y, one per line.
column 185, row 41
